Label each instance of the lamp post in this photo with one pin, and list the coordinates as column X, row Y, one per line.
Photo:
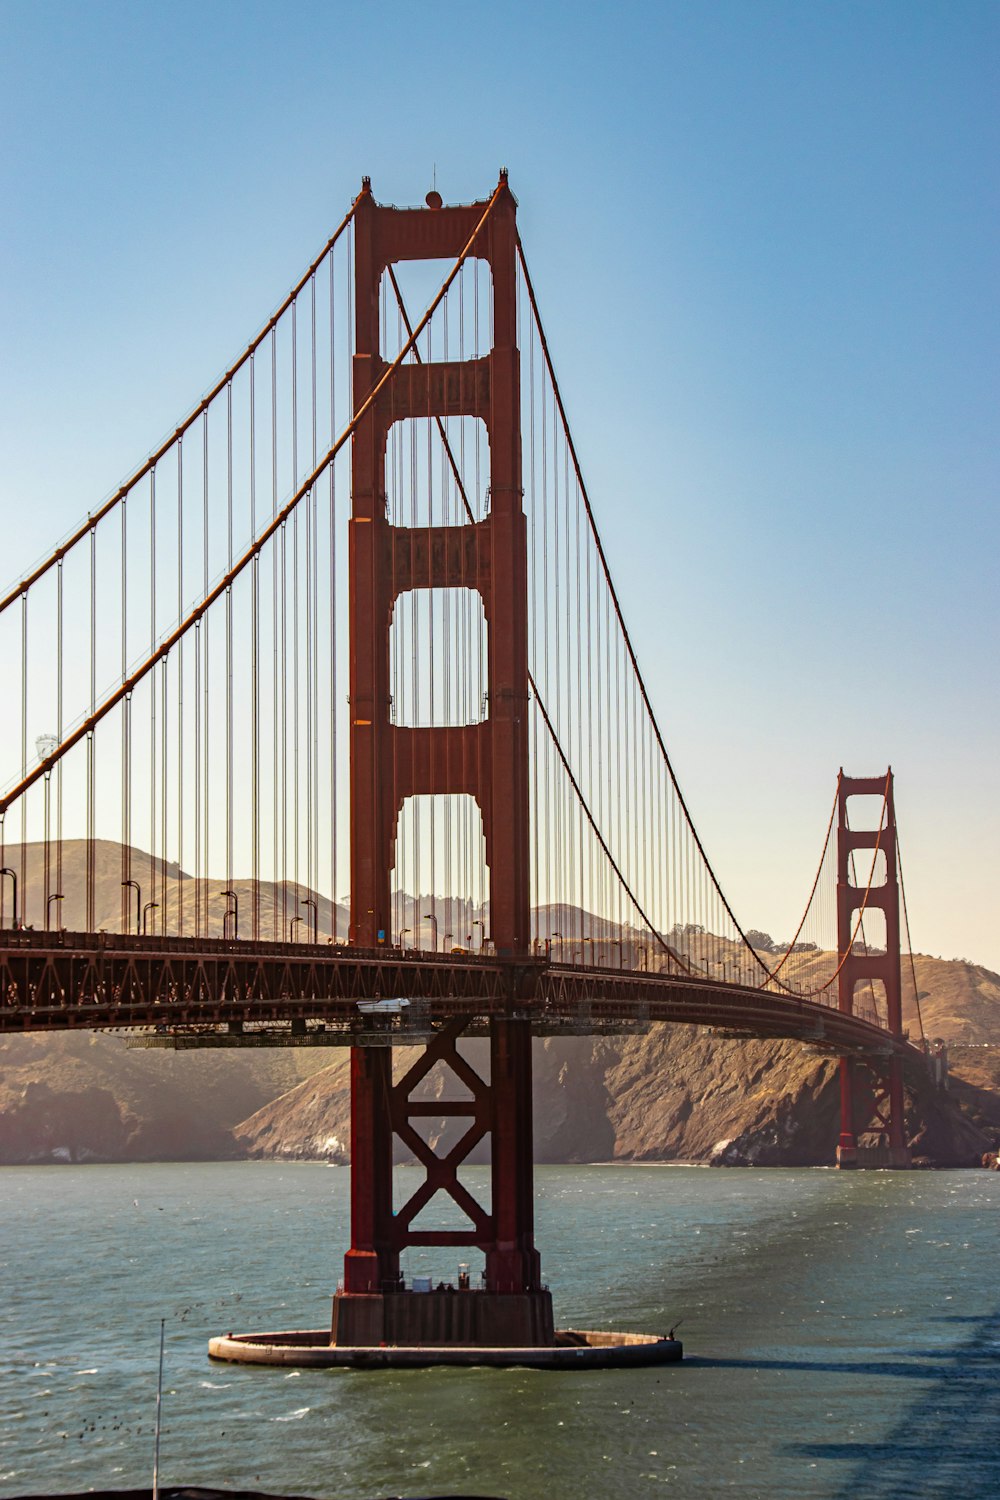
column 46, row 745
column 402, row 934
column 13, row 875
column 56, row 896
column 134, row 884
column 447, row 939
column 477, row 923
column 430, row 917
column 149, row 906
column 310, row 901
column 548, row 943
column 291, row 928
column 231, row 911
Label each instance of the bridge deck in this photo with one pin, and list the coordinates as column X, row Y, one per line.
column 223, row 991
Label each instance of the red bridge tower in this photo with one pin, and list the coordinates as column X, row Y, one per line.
column 872, row 1105
column 487, row 760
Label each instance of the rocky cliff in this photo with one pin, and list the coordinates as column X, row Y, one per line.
column 675, row 1094
column 682, row 1094
column 85, row 1096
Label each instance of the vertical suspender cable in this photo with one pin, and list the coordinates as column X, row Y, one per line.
column 229, row 638
column 24, row 750
column 206, row 780
column 254, row 672
column 126, row 759
column 180, row 687
column 91, row 757
column 277, row 560
column 60, row 617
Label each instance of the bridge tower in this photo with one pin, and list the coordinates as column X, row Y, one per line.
column 871, row 1105
column 487, row 760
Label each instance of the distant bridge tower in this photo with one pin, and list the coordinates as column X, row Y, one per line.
column 872, row 1106
column 487, row 760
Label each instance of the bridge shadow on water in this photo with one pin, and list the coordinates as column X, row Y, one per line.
column 947, row 1443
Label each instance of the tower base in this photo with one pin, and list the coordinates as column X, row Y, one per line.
column 881, row 1158
column 572, row 1349
column 493, row 1319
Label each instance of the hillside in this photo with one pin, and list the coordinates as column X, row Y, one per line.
column 86, row 1095
column 674, row 1094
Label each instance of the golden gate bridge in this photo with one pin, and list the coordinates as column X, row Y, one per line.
column 353, row 623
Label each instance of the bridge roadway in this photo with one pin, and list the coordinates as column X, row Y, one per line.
column 220, row 991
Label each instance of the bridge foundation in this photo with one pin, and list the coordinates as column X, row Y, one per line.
column 872, row 1107
column 466, row 1317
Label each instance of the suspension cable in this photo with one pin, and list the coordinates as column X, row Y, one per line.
column 819, row 870
column 224, row 584
column 627, row 640
column 909, row 939
column 531, row 681
column 188, row 422
column 546, row 719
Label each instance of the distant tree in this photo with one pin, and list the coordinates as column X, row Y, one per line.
column 762, row 941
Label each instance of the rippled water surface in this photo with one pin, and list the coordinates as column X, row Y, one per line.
column 842, row 1333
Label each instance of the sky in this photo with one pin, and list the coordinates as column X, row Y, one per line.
column 764, row 240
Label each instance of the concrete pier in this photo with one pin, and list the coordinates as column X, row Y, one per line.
column 494, row 1319
column 572, row 1349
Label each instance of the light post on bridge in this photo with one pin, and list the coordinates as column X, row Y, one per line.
column 149, row 906
column 310, row 901
column 231, row 911
column 134, row 885
column 291, row 928
column 430, row 917
column 56, row 896
column 13, row 875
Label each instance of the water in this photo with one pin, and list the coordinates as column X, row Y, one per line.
column 843, row 1338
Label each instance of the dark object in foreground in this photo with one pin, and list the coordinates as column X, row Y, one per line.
column 198, row 1492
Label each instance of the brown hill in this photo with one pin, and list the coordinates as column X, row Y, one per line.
column 184, row 904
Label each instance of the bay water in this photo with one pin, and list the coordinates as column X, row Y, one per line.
column 842, row 1338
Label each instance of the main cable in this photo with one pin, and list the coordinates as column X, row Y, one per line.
column 150, row 463
column 226, row 581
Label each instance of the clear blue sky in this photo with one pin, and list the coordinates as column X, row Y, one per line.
column 764, row 237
